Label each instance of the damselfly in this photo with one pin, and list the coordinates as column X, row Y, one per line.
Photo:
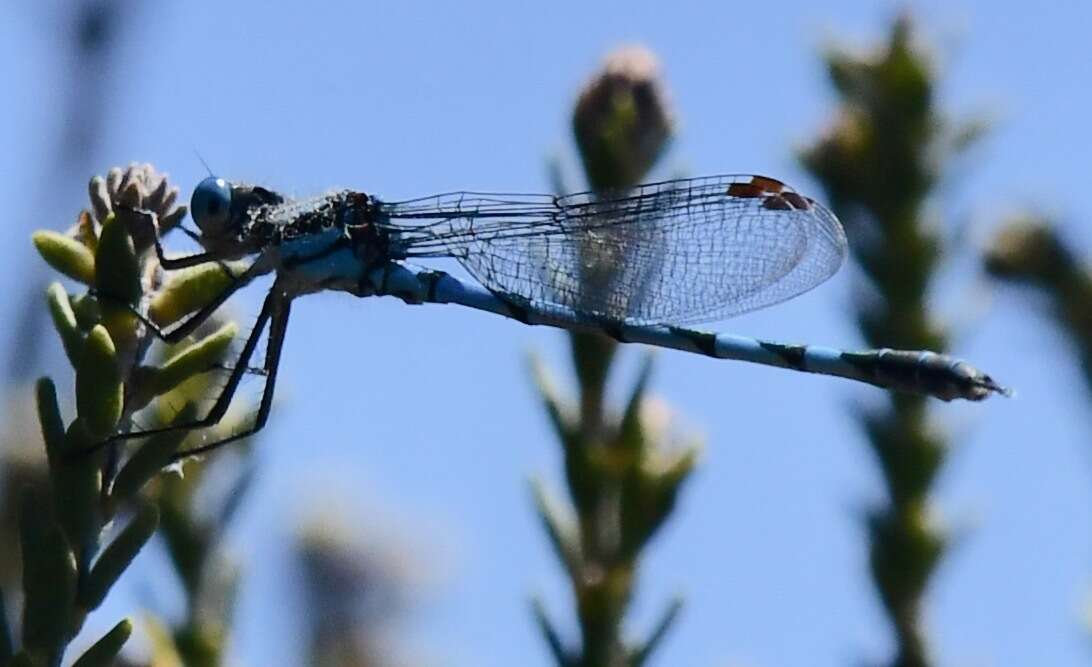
column 635, row 267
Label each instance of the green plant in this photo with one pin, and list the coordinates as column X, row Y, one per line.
column 71, row 553
column 624, row 471
column 1029, row 251
column 880, row 162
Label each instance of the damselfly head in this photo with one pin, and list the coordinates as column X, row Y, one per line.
column 227, row 212
column 211, row 207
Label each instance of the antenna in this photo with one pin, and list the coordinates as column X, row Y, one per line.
column 202, row 159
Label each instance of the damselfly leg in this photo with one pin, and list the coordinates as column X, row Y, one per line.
column 278, row 327
column 275, row 309
column 192, row 322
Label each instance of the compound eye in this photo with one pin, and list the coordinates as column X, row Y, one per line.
column 210, row 205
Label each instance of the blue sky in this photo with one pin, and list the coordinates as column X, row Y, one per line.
column 420, row 425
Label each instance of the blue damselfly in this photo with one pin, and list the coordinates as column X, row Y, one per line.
column 636, row 267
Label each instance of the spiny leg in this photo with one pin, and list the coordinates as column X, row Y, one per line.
column 191, row 323
column 228, row 368
column 173, row 263
column 195, row 320
column 277, row 330
column 223, row 401
column 151, row 220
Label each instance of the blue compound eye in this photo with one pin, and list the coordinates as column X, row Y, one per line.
column 210, row 205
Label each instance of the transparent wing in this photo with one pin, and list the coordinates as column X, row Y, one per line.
column 678, row 252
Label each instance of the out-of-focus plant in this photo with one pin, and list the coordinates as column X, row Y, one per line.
column 86, row 37
column 354, row 594
column 881, row 160
column 192, row 526
column 85, row 522
column 624, row 471
column 1029, row 251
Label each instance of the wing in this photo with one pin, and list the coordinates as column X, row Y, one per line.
column 679, row 251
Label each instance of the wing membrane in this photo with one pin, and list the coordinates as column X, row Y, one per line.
column 679, row 252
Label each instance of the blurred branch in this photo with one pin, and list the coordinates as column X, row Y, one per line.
column 194, row 542
column 1029, row 251
column 353, row 595
column 879, row 162
column 623, row 472
column 89, row 44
